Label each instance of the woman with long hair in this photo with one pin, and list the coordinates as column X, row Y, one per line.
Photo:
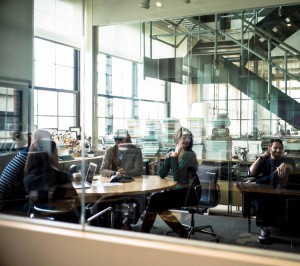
column 180, row 160
column 45, row 184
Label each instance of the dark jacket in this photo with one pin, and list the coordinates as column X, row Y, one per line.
column 50, row 186
column 131, row 161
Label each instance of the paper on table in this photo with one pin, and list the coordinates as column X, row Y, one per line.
column 98, row 183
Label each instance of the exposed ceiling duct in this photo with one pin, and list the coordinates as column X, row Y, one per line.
column 145, row 4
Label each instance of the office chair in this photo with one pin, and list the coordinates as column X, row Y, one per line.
column 73, row 169
column 208, row 194
column 123, row 211
column 102, row 212
column 53, row 211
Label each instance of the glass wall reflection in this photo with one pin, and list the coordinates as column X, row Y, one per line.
column 202, row 93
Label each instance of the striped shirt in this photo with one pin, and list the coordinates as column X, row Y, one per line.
column 11, row 180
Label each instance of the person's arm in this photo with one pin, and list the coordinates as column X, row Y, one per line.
column 287, row 165
column 166, row 166
column 67, row 192
column 254, row 167
column 180, row 169
column 105, row 169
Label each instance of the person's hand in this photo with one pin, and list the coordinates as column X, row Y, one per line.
column 266, row 154
column 120, row 172
column 176, row 152
column 178, row 147
column 281, row 169
column 173, row 154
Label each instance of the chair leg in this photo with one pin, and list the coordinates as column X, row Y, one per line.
column 205, row 229
column 249, row 224
column 191, row 229
column 30, row 212
column 102, row 212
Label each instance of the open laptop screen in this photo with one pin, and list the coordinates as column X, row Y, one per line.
column 91, row 172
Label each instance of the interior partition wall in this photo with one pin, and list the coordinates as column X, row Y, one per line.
column 201, row 72
column 16, row 71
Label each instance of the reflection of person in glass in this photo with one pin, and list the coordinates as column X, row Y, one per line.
column 180, row 160
column 123, row 158
column 12, row 189
column 45, row 184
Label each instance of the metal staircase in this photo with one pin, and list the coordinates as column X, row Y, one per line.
column 223, row 55
column 257, row 89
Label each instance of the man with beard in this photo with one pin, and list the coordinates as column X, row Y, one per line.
column 270, row 169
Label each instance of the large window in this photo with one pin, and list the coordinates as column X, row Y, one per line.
column 56, row 85
column 228, row 105
column 10, row 115
column 124, row 95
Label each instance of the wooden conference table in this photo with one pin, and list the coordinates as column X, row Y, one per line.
column 140, row 185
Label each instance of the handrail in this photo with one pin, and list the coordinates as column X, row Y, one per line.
column 264, row 34
column 261, row 56
column 205, row 29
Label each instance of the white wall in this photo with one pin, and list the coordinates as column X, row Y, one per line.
column 27, row 244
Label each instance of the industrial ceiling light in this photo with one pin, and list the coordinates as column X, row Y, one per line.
column 288, row 22
column 158, row 4
column 145, row 4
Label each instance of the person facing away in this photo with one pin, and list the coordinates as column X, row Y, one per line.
column 123, row 158
column 272, row 169
column 45, row 184
column 180, row 160
column 12, row 190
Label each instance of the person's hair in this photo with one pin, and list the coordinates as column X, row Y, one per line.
column 182, row 132
column 40, row 155
column 39, row 134
column 121, row 134
column 275, row 140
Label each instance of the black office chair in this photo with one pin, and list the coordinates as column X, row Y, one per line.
column 208, row 194
column 54, row 211
column 113, row 212
column 57, row 202
column 73, row 169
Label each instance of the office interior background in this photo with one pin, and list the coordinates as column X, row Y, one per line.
column 82, row 69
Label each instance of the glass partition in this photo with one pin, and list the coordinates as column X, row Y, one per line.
column 232, row 79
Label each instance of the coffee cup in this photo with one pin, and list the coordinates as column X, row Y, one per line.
column 77, row 177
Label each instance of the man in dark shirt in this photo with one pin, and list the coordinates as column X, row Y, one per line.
column 271, row 168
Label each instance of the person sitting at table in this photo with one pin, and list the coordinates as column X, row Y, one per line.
column 271, row 168
column 179, row 160
column 45, row 184
column 123, row 158
column 12, row 191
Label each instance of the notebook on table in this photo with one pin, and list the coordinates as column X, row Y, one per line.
column 88, row 179
column 121, row 179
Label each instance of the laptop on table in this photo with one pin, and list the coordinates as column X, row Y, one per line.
column 88, row 179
